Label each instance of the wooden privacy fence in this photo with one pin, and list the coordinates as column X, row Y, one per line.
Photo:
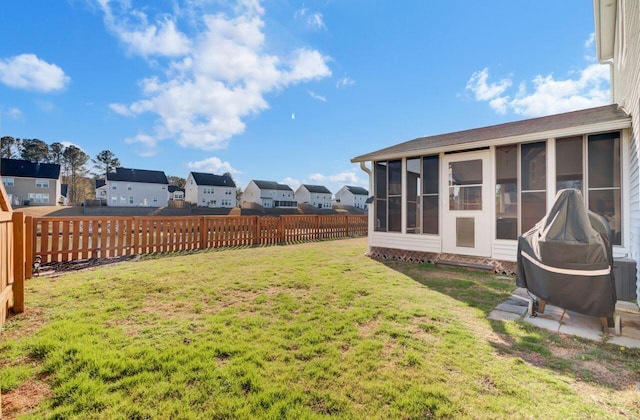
column 13, row 257
column 59, row 239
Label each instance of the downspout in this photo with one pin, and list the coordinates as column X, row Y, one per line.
column 364, row 168
column 610, row 64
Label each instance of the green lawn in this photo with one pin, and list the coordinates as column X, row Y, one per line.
column 301, row 331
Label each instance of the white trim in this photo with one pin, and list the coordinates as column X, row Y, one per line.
column 569, row 272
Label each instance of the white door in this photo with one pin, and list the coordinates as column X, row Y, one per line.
column 466, row 186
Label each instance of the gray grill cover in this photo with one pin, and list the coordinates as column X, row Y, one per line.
column 567, row 260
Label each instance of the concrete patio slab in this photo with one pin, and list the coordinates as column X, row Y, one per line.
column 509, row 307
column 561, row 321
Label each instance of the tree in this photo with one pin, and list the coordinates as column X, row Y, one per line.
column 56, row 151
column 105, row 162
column 74, row 161
column 177, row 181
column 34, row 150
column 9, row 147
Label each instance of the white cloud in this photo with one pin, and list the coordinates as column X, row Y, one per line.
column 345, row 82
column 314, row 19
column 132, row 28
column 14, row 114
column 590, row 41
column 484, row 91
column 317, row 96
column 212, row 165
column 292, row 182
column 345, row 177
column 221, row 79
column 27, row 71
column 549, row 95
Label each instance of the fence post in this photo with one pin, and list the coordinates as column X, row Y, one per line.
column 281, row 235
column 346, row 226
column 256, row 230
column 18, row 261
column 203, row 233
column 136, row 236
column 30, row 246
column 317, row 228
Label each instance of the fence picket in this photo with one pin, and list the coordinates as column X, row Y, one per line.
column 63, row 239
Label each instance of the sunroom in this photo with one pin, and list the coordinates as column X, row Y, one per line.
column 467, row 196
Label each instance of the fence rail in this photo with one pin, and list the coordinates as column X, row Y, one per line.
column 61, row 239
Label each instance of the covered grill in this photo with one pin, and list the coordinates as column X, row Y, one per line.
column 566, row 259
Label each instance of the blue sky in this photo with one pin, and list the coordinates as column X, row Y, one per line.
column 280, row 90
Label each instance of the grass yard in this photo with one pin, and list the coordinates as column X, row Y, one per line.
column 301, row 331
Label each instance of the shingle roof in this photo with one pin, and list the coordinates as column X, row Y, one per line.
column 100, row 183
column 318, row 189
column 174, row 188
column 27, row 169
column 138, row 175
column 603, row 114
column 357, row 190
column 270, row 185
column 212, row 180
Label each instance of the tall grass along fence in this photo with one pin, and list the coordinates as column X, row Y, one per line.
column 61, row 239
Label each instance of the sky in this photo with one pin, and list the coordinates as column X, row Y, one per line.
column 284, row 90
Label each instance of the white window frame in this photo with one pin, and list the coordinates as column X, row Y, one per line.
column 8, row 182
column 42, row 183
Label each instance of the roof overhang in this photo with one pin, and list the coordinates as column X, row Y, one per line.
column 604, row 13
column 433, row 145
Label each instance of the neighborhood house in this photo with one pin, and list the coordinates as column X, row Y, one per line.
column 134, row 187
column 269, row 194
column 468, row 195
column 352, row 196
column 31, row 183
column 315, row 195
column 209, row 190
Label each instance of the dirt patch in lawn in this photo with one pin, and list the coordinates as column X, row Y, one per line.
column 24, row 398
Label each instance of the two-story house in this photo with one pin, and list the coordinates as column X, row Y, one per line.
column 209, row 190
column 269, row 194
column 31, row 183
column 316, row 195
column 135, row 187
column 352, row 196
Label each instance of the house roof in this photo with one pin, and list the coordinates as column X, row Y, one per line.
column 28, row 169
column 100, row 183
column 357, row 190
column 271, row 185
column 212, row 180
column 174, row 188
column 608, row 117
column 317, row 189
column 138, row 175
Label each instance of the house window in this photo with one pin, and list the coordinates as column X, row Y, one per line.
column 507, row 192
column 430, row 194
column 129, row 187
column 603, row 180
column 8, row 182
column 41, row 198
column 114, row 186
column 413, row 195
column 114, row 199
column 155, row 199
column 42, row 183
column 123, row 199
column 465, row 185
column 388, row 180
column 533, row 172
column 130, row 199
column 569, row 173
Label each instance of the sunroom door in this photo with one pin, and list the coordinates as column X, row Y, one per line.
column 466, row 204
